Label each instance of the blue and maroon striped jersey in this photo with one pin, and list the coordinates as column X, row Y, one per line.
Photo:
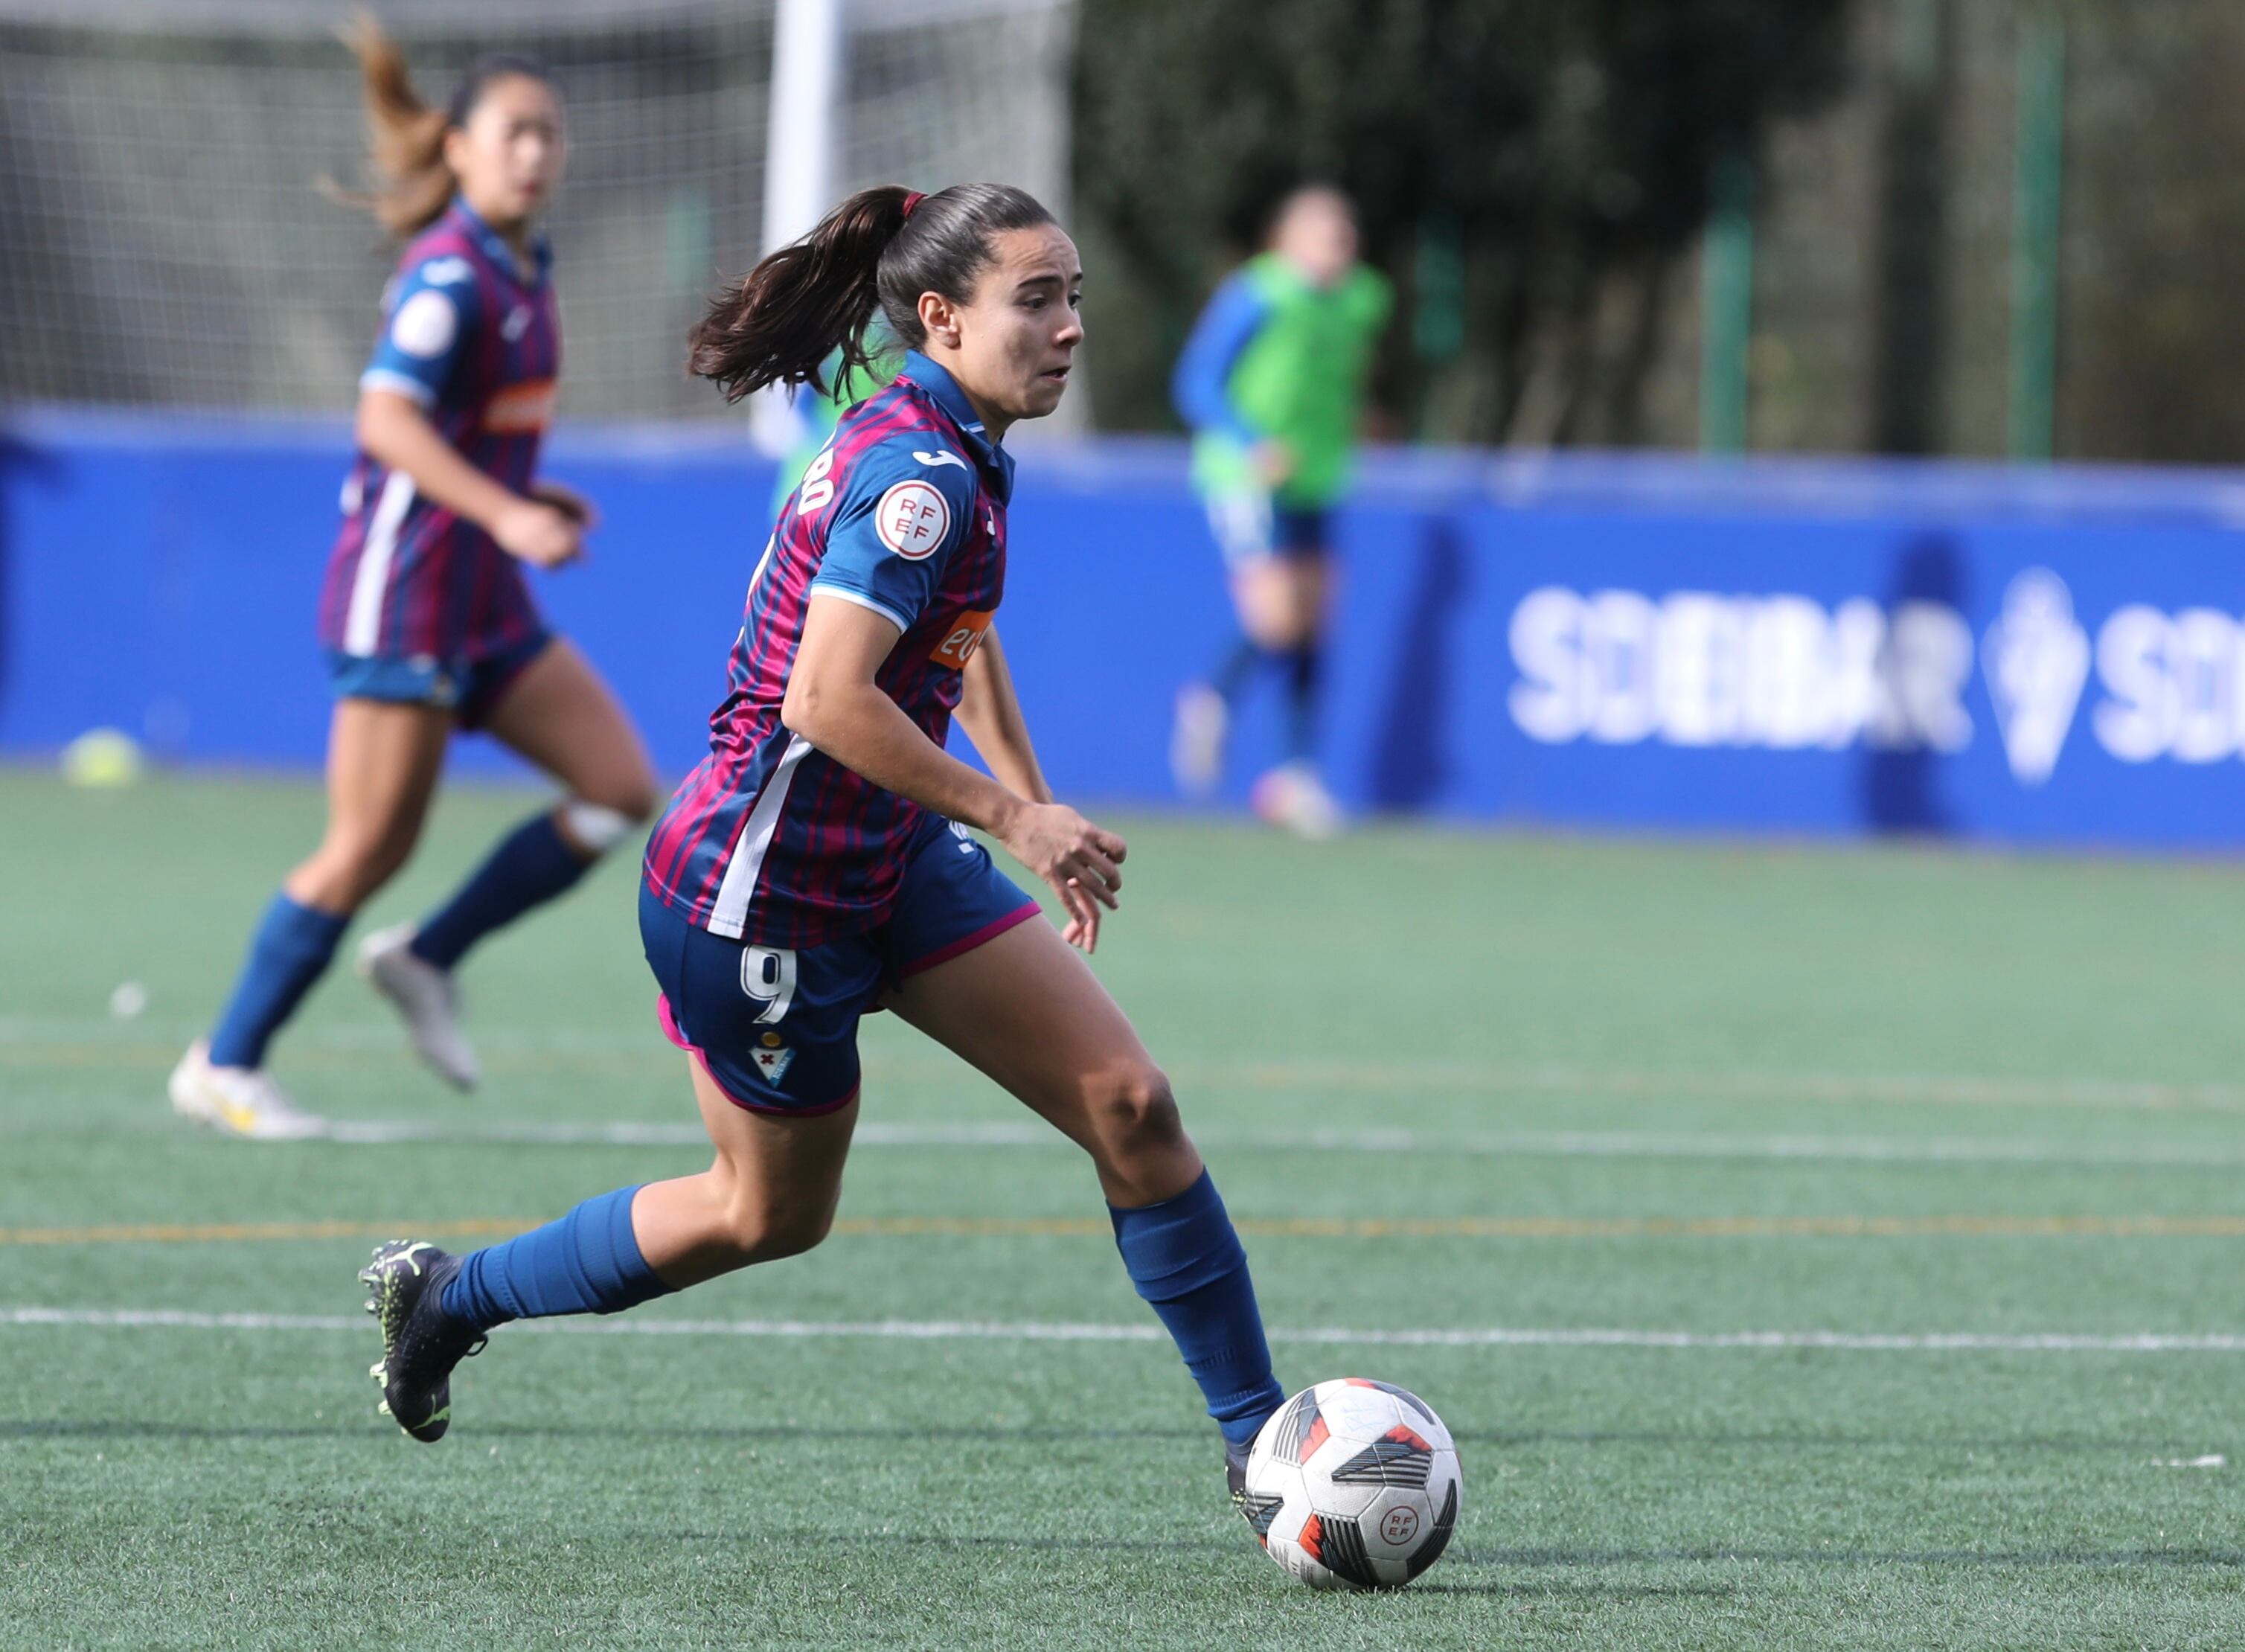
column 904, row 512
column 479, row 348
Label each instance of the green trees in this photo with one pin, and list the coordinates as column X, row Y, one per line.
column 1528, row 171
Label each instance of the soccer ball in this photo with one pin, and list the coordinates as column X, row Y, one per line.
column 1353, row 1485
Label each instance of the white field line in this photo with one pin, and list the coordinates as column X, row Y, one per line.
column 87, row 1036
column 1035, row 1331
column 1522, row 1143
column 1526, row 1144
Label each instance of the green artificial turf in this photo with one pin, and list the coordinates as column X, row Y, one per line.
column 1449, row 1084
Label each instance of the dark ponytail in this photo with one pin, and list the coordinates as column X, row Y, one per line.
column 881, row 248
column 405, row 136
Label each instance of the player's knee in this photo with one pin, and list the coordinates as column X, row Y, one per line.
column 592, row 828
column 358, row 862
column 1277, row 631
column 385, row 858
column 1137, row 1110
column 767, row 1233
column 633, row 794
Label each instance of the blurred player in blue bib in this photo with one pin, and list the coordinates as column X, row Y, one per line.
column 818, row 866
column 427, row 618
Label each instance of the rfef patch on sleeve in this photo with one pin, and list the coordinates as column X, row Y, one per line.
column 425, row 325
column 912, row 519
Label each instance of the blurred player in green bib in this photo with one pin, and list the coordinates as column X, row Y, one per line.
column 1272, row 384
column 818, row 408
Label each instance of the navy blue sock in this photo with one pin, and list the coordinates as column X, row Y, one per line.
column 290, row 950
column 587, row 1262
column 1187, row 1262
column 532, row 865
column 1238, row 665
column 1304, row 666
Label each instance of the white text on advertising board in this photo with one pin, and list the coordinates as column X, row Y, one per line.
column 1783, row 672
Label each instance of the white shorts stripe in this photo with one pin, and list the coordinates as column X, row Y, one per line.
column 370, row 588
column 730, row 915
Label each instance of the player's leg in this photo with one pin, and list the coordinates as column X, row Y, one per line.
column 1028, row 1011
column 554, row 710
column 772, row 1039
column 1307, row 573
column 383, row 760
column 1295, row 595
column 770, row 1192
column 1242, row 523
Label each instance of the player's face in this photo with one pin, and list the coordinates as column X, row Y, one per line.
column 1017, row 336
column 508, row 156
column 1317, row 236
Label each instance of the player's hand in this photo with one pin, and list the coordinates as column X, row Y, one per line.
column 568, row 501
column 541, row 534
column 1080, row 863
column 1273, row 463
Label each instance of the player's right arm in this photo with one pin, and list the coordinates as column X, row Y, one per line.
column 422, row 339
column 834, row 703
column 1201, row 386
column 897, row 518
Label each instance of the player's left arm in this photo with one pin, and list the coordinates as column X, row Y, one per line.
column 991, row 713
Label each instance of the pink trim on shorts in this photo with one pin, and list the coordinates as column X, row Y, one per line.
column 986, row 933
column 671, row 1030
column 475, row 715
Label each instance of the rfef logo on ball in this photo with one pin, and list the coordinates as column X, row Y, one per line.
column 913, row 519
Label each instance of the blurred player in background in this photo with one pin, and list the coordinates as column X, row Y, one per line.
column 817, row 407
column 809, row 870
column 427, row 619
column 1272, row 384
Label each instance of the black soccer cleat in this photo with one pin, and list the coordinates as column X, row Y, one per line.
column 1258, row 1512
column 420, row 1342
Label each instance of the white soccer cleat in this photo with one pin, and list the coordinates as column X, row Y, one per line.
column 242, row 1100
column 428, row 998
column 1197, row 739
column 1293, row 797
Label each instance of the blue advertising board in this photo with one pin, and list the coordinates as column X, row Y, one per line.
column 2032, row 657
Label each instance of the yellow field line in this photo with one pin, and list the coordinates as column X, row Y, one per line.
column 1616, row 1227
column 1299, row 1227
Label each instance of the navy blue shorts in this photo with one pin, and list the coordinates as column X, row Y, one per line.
column 777, row 1029
column 1249, row 526
column 470, row 689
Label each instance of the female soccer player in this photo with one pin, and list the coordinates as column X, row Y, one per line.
column 428, row 621
column 817, row 864
column 1271, row 382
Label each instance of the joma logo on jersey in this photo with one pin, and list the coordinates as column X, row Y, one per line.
column 521, row 409
column 965, row 635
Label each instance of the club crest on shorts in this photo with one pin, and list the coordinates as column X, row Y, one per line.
column 913, row 519
column 442, row 690
column 773, row 1058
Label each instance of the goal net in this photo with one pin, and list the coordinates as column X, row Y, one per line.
column 163, row 238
